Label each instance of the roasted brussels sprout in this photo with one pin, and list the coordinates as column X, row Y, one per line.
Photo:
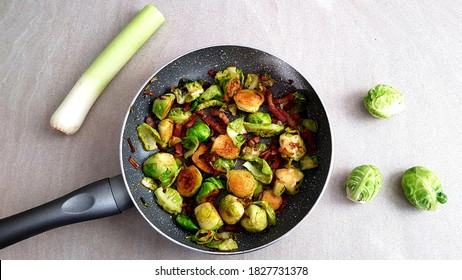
column 186, row 222
column 165, row 128
column 254, row 219
column 230, row 80
column 200, row 129
column 149, row 183
column 275, row 201
column 213, row 92
column 384, row 101
column 270, row 214
column 169, row 199
column 252, row 81
column 264, row 130
column 308, row 162
column 194, row 90
column 162, row 105
column 224, row 165
column 200, row 161
column 251, row 153
column 363, row 183
column 259, row 118
column 207, row 216
column 191, row 144
column 287, row 180
column 291, row 145
column 249, row 100
column 225, row 148
column 260, row 169
column 235, row 130
column 310, row 124
column 209, row 190
column 231, row 209
column 241, row 183
column 210, row 103
column 228, row 244
column 149, row 137
column 423, row 188
column 162, row 167
column 189, row 181
column 178, row 115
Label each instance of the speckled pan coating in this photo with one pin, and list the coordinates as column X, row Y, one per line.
column 194, row 66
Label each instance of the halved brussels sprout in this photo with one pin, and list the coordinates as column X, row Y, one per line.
column 251, row 153
column 225, row 148
column 194, row 90
column 423, row 188
column 169, row 199
column 191, row 144
column 162, row 105
column 162, row 167
column 230, row 80
column 291, row 145
column 275, row 201
column 308, row 162
column 178, row 115
column 231, row 209
column 207, row 216
column 363, row 183
column 264, row 130
column 224, row 165
column 213, row 92
column 270, row 214
column 228, row 244
column 149, row 137
column 259, row 118
column 209, row 190
column 241, row 183
column 252, row 81
column 235, row 130
column 189, row 181
column 200, row 161
column 165, row 128
column 287, row 180
column 210, row 103
column 384, row 101
column 149, row 183
column 311, row 124
column 254, row 219
column 249, row 100
column 180, row 95
column 260, row 169
column 199, row 129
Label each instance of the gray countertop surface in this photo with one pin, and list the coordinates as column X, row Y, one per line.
column 343, row 48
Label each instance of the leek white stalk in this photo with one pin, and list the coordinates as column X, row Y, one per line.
column 73, row 110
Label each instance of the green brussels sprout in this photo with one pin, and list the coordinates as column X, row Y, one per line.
column 270, row 214
column 165, row 128
column 264, row 130
column 149, row 183
column 149, row 137
column 228, row 244
column 186, row 222
column 162, row 105
column 235, row 130
column 299, row 102
column 251, row 153
column 169, row 199
column 423, row 188
column 255, row 219
column 213, row 92
column 252, row 81
column 363, row 183
column 384, row 101
column 191, row 144
column 210, row 103
column 260, row 169
column 231, row 209
column 259, row 118
column 178, row 115
column 241, row 183
column 194, row 90
column 210, row 188
column 207, row 216
column 312, row 125
column 287, row 180
column 230, row 80
column 200, row 130
column 162, row 167
column 291, row 145
column 202, row 236
column 224, row 165
column 308, row 162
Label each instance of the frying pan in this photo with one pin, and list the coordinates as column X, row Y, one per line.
column 112, row 196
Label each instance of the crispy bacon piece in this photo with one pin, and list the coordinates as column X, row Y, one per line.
column 150, row 121
column 178, row 150
column 178, row 130
column 132, row 148
column 290, row 121
column 211, row 123
column 190, row 122
column 212, row 73
column 308, row 136
column 272, row 108
column 285, row 99
column 255, row 140
column 133, row 162
column 220, row 114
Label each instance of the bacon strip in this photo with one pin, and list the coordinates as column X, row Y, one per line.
column 290, row 121
column 272, row 108
column 285, row 99
column 217, row 113
column 211, row 123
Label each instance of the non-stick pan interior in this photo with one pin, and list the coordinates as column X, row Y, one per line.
column 194, row 66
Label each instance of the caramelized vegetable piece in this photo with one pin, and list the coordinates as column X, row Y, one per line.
column 275, row 201
column 189, row 181
column 162, row 105
column 200, row 161
column 165, row 128
column 249, row 100
column 241, row 183
column 225, row 148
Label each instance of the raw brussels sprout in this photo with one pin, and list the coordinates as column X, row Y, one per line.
column 207, row 216
column 308, row 162
column 291, row 145
column 423, row 188
column 224, row 165
column 254, row 219
column 264, row 130
column 189, row 181
column 225, row 148
column 249, row 100
column 363, row 183
column 194, row 90
column 165, row 128
column 384, row 101
column 191, row 144
column 287, row 180
column 178, row 115
column 231, row 209
column 241, row 183
column 252, row 81
column 235, row 130
column 230, row 80
column 162, row 167
column 162, row 105
column 209, row 190
column 260, row 169
column 149, row 137
column 259, row 118
column 213, row 92
column 169, row 199
column 251, row 153
column 199, row 129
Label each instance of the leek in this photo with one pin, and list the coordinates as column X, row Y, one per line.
column 72, row 112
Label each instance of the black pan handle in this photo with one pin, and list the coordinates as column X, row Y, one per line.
column 100, row 199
